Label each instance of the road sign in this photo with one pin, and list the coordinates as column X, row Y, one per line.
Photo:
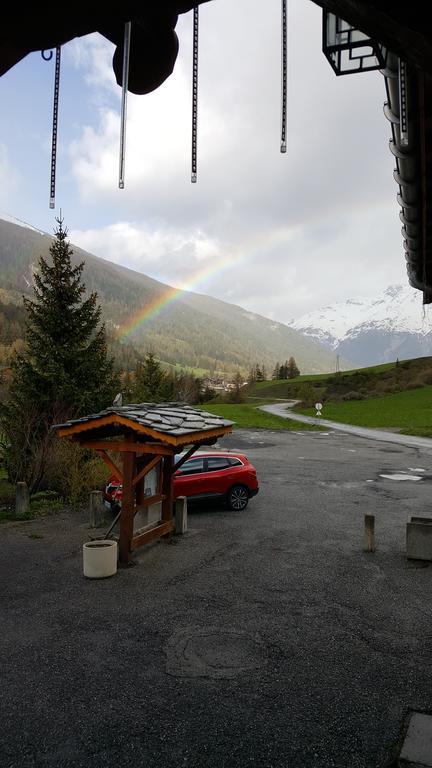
column 318, row 407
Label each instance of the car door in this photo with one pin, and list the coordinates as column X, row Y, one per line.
column 188, row 480
column 217, row 475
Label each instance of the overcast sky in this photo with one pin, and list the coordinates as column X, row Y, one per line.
column 278, row 234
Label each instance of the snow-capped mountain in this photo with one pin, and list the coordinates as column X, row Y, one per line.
column 373, row 330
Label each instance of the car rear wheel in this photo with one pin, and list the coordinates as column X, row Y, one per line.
column 238, row 498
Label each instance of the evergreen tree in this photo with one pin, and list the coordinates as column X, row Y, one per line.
column 292, row 370
column 64, row 370
column 275, row 374
column 236, row 394
column 252, row 375
column 151, row 383
column 258, row 373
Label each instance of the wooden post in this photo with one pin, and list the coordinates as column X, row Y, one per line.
column 22, row 501
column 127, row 508
column 167, row 484
column 96, row 509
column 369, row 534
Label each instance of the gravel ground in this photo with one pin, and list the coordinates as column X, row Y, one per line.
column 263, row 638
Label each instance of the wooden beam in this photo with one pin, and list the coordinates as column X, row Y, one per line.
column 115, row 470
column 167, row 489
column 127, row 508
column 149, row 500
column 160, row 529
column 146, row 469
column 115, row 420
column 122, row 446
column 184, row 458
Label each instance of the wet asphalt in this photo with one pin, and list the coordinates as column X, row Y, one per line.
column 261, row 638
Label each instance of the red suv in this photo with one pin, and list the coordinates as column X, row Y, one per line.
column 228, row 476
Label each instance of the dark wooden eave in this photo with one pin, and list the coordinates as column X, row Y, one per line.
column 403, row 28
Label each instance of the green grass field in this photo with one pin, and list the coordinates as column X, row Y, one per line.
column 410, row 411
column 248, row 417
column 258, row 386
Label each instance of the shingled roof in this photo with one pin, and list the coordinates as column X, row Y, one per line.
column 169, row 422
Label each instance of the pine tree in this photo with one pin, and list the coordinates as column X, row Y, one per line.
column 252, row 375
column 258, row 373
column 64, row 370
column 151, row 383
column 292, row 370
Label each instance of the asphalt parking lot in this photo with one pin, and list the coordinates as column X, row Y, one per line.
column 262, row 638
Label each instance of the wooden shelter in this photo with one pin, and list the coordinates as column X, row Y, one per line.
column 132, row 440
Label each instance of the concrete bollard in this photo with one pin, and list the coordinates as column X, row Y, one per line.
column 181, row 515
column 22, row 501
column 96, row 509
column 369, row 534
column 419, row 538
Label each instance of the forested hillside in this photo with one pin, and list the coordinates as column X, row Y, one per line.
column 193, row 330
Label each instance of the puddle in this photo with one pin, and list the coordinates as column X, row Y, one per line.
column 416, row 469
column 400, row 476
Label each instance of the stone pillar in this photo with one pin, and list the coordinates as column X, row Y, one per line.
column 96, row 509
column 22, row 501
column 181, row 515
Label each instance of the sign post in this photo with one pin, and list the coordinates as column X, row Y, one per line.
column 318, row 408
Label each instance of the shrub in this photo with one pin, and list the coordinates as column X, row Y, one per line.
column 427, row 377
column 74, row 472
column 45, row 500
column 353, row 395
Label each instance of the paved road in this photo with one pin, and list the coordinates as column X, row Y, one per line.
column 282, row 409
column 262, row 639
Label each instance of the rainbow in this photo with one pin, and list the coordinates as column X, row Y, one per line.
column 246, row 251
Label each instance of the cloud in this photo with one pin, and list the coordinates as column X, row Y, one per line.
column 332, row 194
column 10, row 178
column 144, row 251
column 93, row 57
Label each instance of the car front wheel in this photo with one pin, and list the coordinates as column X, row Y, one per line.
column 238, row 498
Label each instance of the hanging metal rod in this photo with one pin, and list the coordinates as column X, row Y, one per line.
column 54, row 126
column 194, row 95
column 403, row 103
column 125, row 82
column 283, row 145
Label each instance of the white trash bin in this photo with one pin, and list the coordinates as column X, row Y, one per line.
column 100, row 558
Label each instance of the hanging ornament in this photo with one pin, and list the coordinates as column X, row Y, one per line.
column 55, row 123
column 125, row 81
column 403, row 103
column 194, row 95
column 283, row 146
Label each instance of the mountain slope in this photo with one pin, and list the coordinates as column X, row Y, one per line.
column 373, row 330
column 192, row 329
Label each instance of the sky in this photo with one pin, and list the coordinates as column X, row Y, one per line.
column 278, row 234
